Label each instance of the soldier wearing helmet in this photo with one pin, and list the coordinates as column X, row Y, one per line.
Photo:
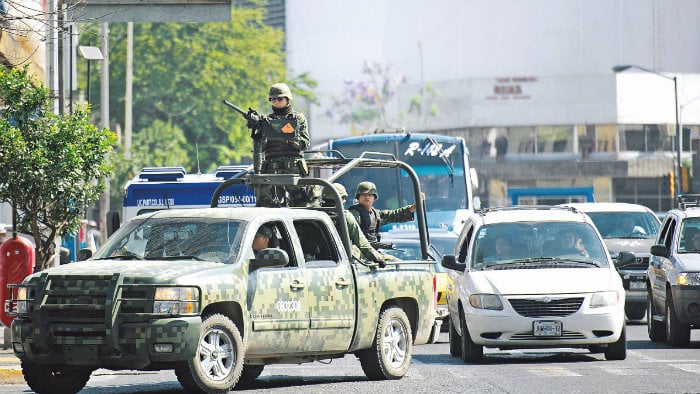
column 361, row 248
column 284, row 156
column 372, row 219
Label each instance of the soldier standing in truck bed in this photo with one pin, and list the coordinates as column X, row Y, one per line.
column 284, row 156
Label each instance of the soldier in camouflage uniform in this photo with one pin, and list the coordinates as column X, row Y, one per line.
column 284, row 156
column 262, row 239
column 372, row 219
column 361, row 248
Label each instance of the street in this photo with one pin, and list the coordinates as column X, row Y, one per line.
column 649, row 367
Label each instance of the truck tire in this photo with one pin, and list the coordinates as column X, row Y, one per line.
column 390, row 354
column 218, row 364
column 618, row 349
column 55, row 379
column 655, row 328
column 471, row 352
column 455, row 340
column 249, row 374
column 677, row 333
column 635, row 311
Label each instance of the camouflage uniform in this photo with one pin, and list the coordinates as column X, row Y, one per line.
column 361, row 248
column 371, row 221
column 285, row 156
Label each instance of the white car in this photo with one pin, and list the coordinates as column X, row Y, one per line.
column 534, row 277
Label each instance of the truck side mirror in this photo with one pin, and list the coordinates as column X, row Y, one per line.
column 84, row 254
column 624, row 259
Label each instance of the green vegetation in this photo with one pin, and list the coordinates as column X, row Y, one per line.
column 51, row 166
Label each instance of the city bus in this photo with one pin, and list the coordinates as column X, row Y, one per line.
column 441, row 163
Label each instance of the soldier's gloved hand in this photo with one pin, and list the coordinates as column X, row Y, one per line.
column 380, row 262
column 252, row 124
column 294, row 144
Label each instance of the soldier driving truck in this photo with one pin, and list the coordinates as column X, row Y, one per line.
column 217, row 319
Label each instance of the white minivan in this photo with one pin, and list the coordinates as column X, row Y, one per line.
column 533, row 277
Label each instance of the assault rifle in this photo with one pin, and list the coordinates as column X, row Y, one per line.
column 255, row 121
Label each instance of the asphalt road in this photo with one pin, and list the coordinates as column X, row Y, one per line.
column 649, row 368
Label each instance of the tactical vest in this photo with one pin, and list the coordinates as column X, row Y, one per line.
column 275, row 148
column 370, row 222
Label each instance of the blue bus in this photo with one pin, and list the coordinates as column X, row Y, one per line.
column 156, row 188
column 441, row 163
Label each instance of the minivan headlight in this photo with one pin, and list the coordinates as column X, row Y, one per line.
column 486, row 301
column 605, row 298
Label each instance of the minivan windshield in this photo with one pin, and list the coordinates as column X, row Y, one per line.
column 625, row 224
column 546, row 244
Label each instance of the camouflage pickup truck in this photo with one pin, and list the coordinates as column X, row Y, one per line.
column 182, row 289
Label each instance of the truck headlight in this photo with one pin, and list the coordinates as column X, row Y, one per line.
column 605, row 298
column 688, row 279
column 486, row 301
column 19, row 301
column 176, row 300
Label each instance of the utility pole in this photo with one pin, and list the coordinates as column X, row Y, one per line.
column 104, row 115
column 128, row 94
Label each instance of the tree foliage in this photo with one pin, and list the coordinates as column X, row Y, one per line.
column 181, row 73
column 363, row 103
column 51, row 166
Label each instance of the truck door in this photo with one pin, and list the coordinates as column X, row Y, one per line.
column 331, row 293
column 278, row 302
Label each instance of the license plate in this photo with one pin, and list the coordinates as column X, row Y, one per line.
column 546, row 328
column 635, row 285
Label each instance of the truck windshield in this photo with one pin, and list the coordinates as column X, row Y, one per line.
column 204, row 239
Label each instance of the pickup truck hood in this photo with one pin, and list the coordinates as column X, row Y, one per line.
column 640, row 247
column 543, row 281
column 689, row 261
column 161, row 271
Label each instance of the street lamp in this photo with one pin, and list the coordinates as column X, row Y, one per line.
column 621, row 68
column 89, row 53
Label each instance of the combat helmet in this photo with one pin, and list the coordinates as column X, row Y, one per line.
column 329, row 197
column 281, row 90
column 366, row 187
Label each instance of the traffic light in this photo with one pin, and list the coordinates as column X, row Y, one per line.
column 671, row 184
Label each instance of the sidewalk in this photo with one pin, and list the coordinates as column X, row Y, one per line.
column 10, row 371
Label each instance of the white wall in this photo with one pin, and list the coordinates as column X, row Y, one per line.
column 568, row 46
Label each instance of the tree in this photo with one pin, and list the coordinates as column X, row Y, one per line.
column 51, row 166
column 236, row 60
column 363, row 103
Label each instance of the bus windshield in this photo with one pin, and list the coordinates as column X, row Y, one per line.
column 439, row 161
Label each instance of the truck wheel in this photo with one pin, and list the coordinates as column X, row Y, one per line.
column 471, row 352
column 677, row 333
column 618, row 349
column 635, row 311
column 249, row 374
column 218, row 364
column 455, row 340
column 655, row 328
column 59, row 379
column 390, row 354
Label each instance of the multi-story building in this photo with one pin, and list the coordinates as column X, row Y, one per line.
column 528, row 84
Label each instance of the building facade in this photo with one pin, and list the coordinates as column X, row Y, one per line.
column 528, row 84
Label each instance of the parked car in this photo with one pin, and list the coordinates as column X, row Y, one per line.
column 406, row 246
column 534, row 277
column 674, row 275
column 627, row 228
